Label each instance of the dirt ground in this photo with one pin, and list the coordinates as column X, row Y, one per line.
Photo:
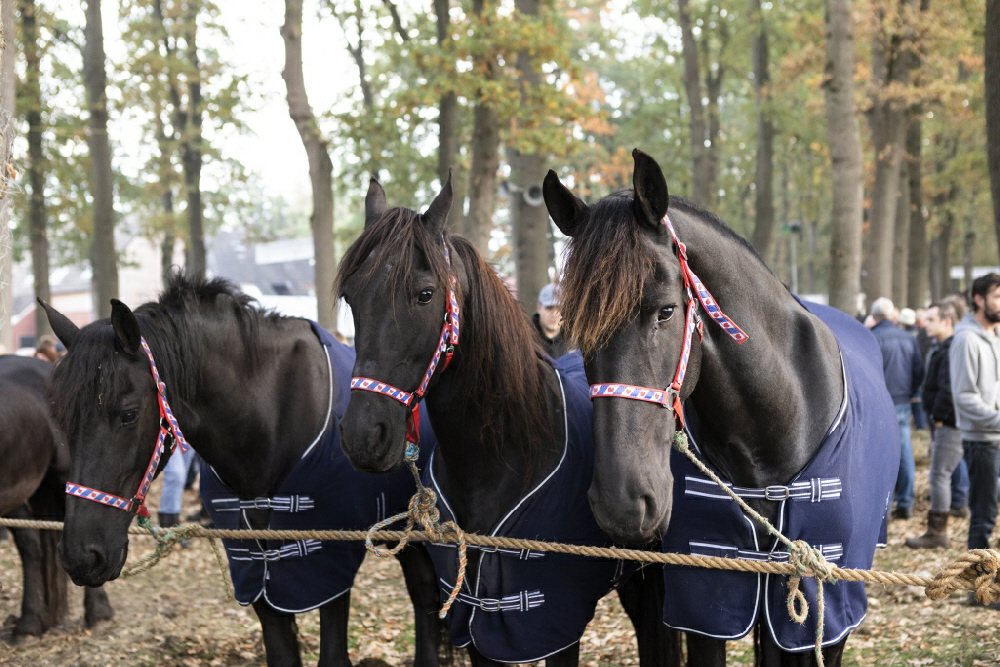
column 177, row 615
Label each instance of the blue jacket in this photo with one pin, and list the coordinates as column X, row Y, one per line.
column 902, row 364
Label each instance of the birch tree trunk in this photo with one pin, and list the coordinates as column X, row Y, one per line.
column 103, row 257
column 320, row 165
column 845, row 155
column 7, row 100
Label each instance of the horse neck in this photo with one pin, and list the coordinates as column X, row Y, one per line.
column 265, row 405
column 771, row 399
column 483, row 472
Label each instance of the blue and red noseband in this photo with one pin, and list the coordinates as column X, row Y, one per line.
column 169, row 428
column 671, row 396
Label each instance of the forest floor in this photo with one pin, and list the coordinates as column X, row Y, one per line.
column 177, row 615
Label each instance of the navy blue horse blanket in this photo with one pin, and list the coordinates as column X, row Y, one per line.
column 520, row 605
column 323, row 492
column 837, row 503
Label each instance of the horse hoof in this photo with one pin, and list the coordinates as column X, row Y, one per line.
column 98, row 616
column 23, row 638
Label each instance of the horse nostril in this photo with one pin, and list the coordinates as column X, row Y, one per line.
column 95, row 558
column 380, row 431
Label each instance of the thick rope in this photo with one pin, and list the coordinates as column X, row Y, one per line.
column 965, row 573
column 422, row 509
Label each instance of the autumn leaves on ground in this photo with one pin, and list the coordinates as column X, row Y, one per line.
column 177, row 615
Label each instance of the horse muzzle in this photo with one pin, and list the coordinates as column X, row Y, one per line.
column 373, row 433
column 92, row 564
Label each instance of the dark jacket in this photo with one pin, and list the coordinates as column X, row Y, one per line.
column 901, row 362
column 554, row 347
column 936, row 394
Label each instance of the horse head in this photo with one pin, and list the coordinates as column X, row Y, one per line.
column 105, row 399
column 397, row 279
column 624, row 304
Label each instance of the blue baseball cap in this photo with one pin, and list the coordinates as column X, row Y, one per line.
column 549, row 296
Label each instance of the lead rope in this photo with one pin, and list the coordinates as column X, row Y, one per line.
column 423, row 510
column 807, row 560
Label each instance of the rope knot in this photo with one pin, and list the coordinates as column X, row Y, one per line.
column 681, row 441
column 977, row 569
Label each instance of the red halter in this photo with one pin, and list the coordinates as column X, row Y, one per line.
column 446, row 346
column 169, row 428
column 670, row 397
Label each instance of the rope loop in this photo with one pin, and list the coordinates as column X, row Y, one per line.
column 165, row 541
column 977, row 569
column 798, row 607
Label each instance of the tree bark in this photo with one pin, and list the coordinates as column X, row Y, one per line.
column 448, row 123
column 763, row 231
column 700, row 182
column 845, row 155
column 485, row 154
column 37, row 225
column 320, row 165
column 916, row 285
column 901, row 237
column 7, row 100
column 103, row 257
column 992, row 95
column 192, row 149
column 892, row 61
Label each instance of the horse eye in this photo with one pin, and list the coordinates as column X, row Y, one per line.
column 425, row 296
column 129, row 416
column 665, row 314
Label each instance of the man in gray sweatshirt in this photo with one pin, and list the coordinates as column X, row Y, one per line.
column 974, row 361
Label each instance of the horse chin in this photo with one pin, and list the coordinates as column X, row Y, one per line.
column 95, row 574
column 631, row 523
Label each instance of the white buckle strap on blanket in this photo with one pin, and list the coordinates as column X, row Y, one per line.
column 814, row 489
column 295, row 549
column 522, row 601
column 832, row 552
column 277, row 504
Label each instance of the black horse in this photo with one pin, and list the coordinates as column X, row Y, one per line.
column 35, row 465
column 259, row 396
column 513, row 453
column 785, row 400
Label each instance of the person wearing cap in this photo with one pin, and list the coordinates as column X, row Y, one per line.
column 904, row 371
column 547, row 321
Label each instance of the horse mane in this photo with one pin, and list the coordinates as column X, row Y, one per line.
column 608, row 263
column 176, row 339
column 498, row 349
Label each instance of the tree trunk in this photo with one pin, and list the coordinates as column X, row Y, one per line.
column 531, row 221
column 485, row 154
column 901, row 238
column 448, row 123
column 992, row 95
column 700, row 194
column 763, row 231
column 103, row 257
column 320, row 165
column 845, row 155
column 37, row 225
column 916, row 286
column 968, row 246
column 192, row 152
column 892, row 61
column 7, row 99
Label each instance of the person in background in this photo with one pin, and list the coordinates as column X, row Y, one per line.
column 908, row 322
column 946, row 446
column 171, row 494
column 974, row 359
column 904, row 371
column 46, row 349
column 547, row 321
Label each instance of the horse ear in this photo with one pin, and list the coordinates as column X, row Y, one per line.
column 374, row 201
column 61, row 325
column 651, row 197
column 436, row 215
column 126, row 327
column 564, row 207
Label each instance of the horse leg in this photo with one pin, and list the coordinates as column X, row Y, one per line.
column 770, row 654
column 641, row 596
column 568, row 657
column 96, row 606
column 421, row 584
column 29, row 547
column 705, row 651
column 333, row 618
column 281, row 643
